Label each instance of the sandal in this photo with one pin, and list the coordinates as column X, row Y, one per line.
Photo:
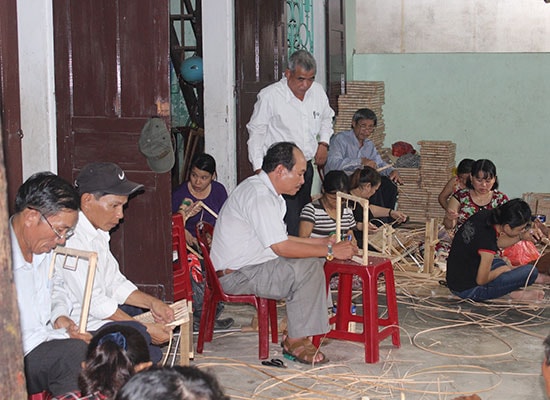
column 302, row 351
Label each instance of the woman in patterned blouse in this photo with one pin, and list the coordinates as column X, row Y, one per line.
column 480, row 194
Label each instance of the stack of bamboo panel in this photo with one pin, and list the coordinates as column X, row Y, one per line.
column 437, row 160
column 412, row 199
column 539, row 203
column 418, row 197
column 362, row 94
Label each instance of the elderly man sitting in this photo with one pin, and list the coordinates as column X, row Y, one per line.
column 350, row 150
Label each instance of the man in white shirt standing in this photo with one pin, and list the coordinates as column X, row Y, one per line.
column 46, row 212
column 104, row 191
column 294, row 109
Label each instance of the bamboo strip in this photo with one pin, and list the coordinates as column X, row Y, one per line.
column 92, row 264
column 365, row 204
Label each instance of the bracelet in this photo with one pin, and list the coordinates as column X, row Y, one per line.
column 389, row 213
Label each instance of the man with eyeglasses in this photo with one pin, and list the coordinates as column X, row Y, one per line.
column 46, row 212
column 351, row 150
column 104, row 191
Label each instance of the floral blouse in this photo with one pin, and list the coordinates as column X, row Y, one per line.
column 467, row 207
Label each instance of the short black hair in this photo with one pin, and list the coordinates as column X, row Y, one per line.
column 280, row 153
column 47, row 193
column 172, row 384
column 108, row 364
column 364, row 113
column 486, row 169
column 204, row 162
column 336, row 181
column 362, row 176
column 464, row 166
column 201, row 383
column 514, row 213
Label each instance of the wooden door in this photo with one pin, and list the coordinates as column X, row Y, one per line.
column 10, row 109
column 336, row 50
column 12, row 380
column 112, row 74
column 261, row 55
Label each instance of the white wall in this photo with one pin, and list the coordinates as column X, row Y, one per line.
column 37, row 86
column 492, row 105
column 421, row 26
column 219, row 87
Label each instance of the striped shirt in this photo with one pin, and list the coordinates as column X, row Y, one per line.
column 323, row 224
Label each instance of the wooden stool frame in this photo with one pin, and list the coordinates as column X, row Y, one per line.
column 365, row 204
column 91, row 256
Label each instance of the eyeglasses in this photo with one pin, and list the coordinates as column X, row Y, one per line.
column 68, row 233
column 365, row 127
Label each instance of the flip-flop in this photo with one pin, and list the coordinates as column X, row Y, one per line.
column 307, row 353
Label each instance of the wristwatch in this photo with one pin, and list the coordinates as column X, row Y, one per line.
column 330, row 254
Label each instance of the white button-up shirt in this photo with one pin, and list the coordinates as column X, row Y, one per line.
column 250, row 221
column 33, row 297
column 279, row 116
column 111, row 287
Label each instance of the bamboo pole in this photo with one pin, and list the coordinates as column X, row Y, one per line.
column 429, row 245
column 208, row 209
column 365, row 204
column 91, row 256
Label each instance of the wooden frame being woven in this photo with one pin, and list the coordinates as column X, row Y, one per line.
column 182, row 317
column 365, row 204
column 91, row 256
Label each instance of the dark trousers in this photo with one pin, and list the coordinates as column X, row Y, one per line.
column 54, row 366
column 385, row 196
column 294, row 204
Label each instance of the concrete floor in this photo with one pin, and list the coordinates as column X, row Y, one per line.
column 448, row 348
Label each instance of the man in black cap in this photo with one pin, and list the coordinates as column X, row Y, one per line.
column 104, row 190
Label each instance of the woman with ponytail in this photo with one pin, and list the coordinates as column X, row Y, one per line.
column 364, row 183
column 114, row 355
column 474, row 270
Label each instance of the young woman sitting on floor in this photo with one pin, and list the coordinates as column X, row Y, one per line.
column 474, row 270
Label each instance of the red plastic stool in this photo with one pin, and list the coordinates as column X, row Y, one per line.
column 371, row 335
column 180, row 265
column 40, row 396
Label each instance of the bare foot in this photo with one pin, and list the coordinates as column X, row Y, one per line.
column 527, row 295
column 543, row 279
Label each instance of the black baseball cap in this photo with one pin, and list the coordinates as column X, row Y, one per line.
column 105, row 177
